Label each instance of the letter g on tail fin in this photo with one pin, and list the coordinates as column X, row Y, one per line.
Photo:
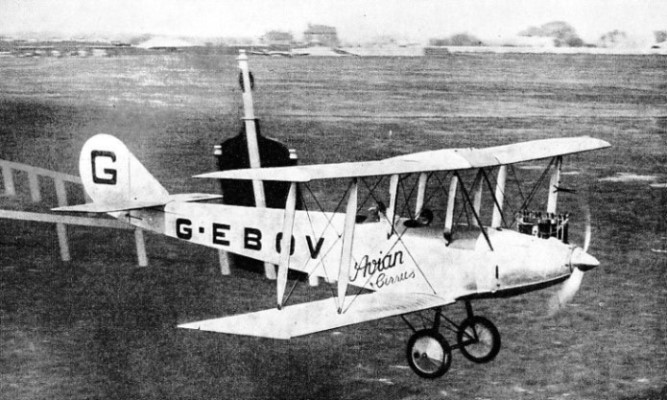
column 111, row 174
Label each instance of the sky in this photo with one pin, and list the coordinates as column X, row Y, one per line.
column 356, row 21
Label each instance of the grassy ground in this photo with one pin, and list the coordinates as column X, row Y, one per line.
column 100, row 328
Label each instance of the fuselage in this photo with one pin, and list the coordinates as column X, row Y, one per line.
column 402, row 259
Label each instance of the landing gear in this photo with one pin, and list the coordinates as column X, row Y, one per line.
column 430, row 355
column 478, row 339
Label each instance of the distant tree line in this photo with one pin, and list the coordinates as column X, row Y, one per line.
column 563, row 34
column 460, row 39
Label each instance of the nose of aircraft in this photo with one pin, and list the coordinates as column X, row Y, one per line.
column 583, row 260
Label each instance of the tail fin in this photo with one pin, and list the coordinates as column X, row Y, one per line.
column 116, row 181
column 112, row 176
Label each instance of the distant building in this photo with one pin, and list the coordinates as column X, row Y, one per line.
column 164, row 43
column 278, row 40
column 523, row 41
column 98, row 53
column 321, row 35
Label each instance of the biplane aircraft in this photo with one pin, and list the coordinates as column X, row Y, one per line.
column 394, row 260
column 381, row 265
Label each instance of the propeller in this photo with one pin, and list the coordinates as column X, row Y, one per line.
column 580, row 261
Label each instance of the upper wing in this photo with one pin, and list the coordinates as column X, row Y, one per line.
column 306, row 318
column 438, row 160
column 514, row 153
column 305, row 173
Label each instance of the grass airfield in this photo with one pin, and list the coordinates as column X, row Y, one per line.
column 99, row 327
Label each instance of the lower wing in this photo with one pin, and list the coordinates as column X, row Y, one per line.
column 317, row 316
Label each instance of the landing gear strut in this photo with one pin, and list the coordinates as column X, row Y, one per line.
column 430, row 355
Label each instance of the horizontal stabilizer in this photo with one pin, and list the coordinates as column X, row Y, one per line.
column 306, row 318
column 106, row 208
column 192, row 197
column 136, row 205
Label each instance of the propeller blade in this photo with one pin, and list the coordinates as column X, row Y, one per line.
column 580, row 261
column 567, row 291
column 587, row 235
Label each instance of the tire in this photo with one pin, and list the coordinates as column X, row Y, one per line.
column 478, row 339
column 429, row 355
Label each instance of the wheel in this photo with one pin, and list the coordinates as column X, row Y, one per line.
column 478, row 339
column 429, row 354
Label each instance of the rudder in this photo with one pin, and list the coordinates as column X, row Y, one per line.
column 111, row 174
